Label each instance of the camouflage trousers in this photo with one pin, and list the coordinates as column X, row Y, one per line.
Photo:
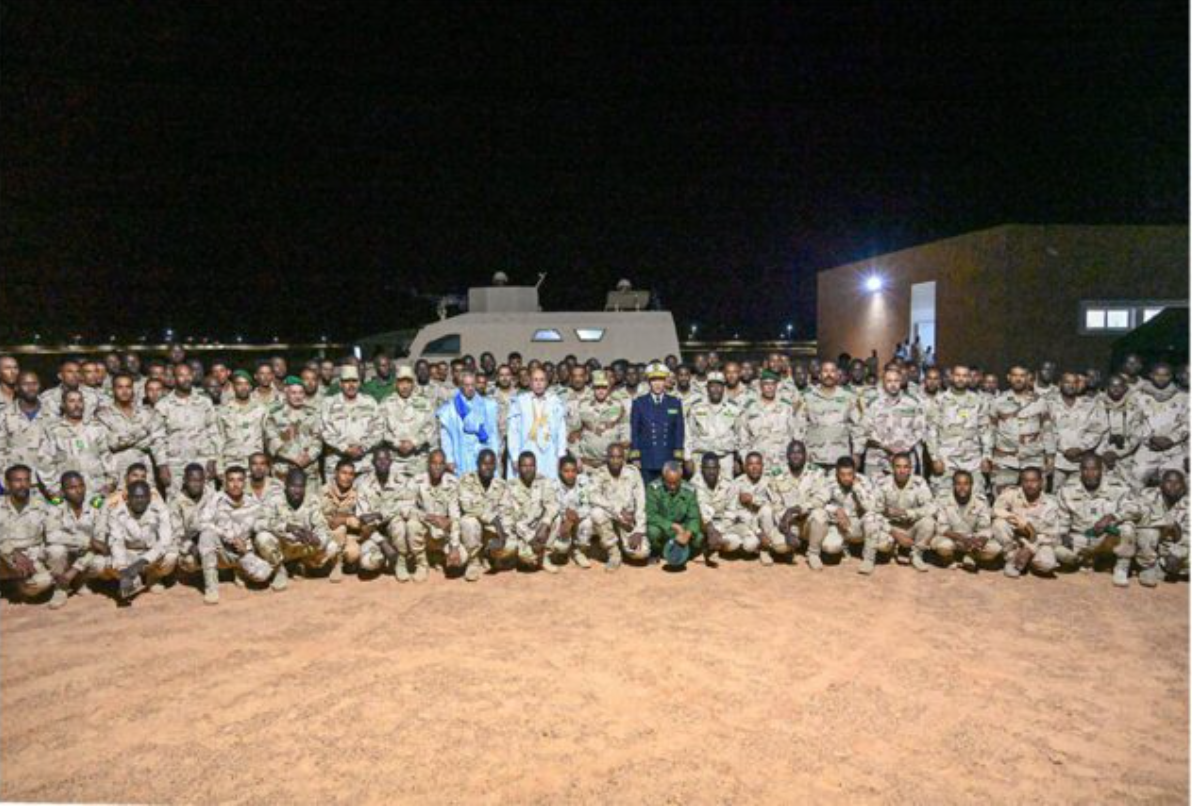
column 1078, row 550
column 946, row 549
column 867, row 531
column 1044, row 561
column 735, row 536
column 35, row 584
column 921, row 531
column 104, row 568
column 612, row 534
column 215, row 554
column 809, row 530
column 275, row 550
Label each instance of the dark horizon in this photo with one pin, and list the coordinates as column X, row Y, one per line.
column 287, row 169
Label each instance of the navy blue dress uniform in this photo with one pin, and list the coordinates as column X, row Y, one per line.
column 655, row 429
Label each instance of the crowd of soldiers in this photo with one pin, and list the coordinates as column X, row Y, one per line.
column 145, row 473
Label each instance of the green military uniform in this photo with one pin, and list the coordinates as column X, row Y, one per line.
column 665, row 508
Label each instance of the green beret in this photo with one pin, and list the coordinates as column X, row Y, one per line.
column 769, row 376
column 293, row 380
column 242, row 374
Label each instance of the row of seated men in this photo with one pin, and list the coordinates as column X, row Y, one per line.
column 264, row 530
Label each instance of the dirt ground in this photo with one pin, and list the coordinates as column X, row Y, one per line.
column 734, row 685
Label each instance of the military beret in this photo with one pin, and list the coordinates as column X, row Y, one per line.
column 242, row 374
column 769, row 376
column 293, row 380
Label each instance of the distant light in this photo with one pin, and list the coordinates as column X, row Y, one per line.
column 874, row 283
column 239, row 338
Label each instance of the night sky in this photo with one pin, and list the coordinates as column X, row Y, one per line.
column 301, row 168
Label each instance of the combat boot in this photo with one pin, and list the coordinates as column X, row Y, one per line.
column 401, row 570
column 474, row 570
column 917, row 560
column 58, row 599
column 281, row 579
column 1121, row 572
column 868, row 561
column 969, row 563
column 421, row 567
column 580, row 558
column 815, row 562
column 765, row 558
column 1011, row 570
column 1151, row 576
column 548, row 565
column 210, row 584
column 337, row 570
column 614, row 559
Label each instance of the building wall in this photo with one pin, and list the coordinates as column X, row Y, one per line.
column 1003, row 295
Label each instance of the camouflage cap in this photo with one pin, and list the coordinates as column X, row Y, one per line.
column 599, row 378
column 715, row 377
column 405, row 372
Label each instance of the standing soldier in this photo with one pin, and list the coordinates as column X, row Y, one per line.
column 1080, row 426
column 909, row 509
column 1126, row 429
column 76, row 444
column 529, row 515
column 831, row 414
column 770, row 425
column 1022, row 431
column 685, row 388
column 241, row 422
column 1028, row 524
column 713, row 425
column 409, row 426
column 22, row 426
column 1100, row 517
column 136, row 434
column 1163, row 530
column 599, row 420
column 293, row 434
column 958, row 434
column 964, row 524
column 618, row 498
column 480, row 496
column 69, row 379
column 725, row 527
column 23, row 534
column 673, row 518
column 893, row 424
column 1164, row 406
column 349, row 422
column 433, row 526
column 656, row 425
column 799, row 495
column 191, row 434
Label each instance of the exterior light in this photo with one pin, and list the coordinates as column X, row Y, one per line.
column 874, row 283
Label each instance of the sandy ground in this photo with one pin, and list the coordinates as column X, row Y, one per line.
column 733, row 685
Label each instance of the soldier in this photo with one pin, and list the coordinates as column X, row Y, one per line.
column 241, row 424
column 140, row 541
column 958, row 435
column 381, row 385
column 909, row 509
column 713, row 425
column 1126, row 429
column 69, row 378
column 23, row 534
column 894, row 423
column 673, row 518
column 315, row 394
column 1022, row 431
column 528, row 518
column 345, row 518
column 724, row 525
column 964, row 525
column 1131, row 371
column 1028, row 524
column 799, row 497
column 575, row 511
column 387, row 501
column 226, row 539
column 191, row 434
column 1080, row 426
column 293, row 434
column 503, row 394
column 73, row 443
column 187, row 512
column 598, row 421
column 292, row 528
column 1099, row 518
column 480, row 496
column 1163, row 530
column 831, row 414
column 1165, row 409
column 22, row 426
column 349, row 422
column 262, row 487
column 685, row 389
column 266, row 393
column 76, row 538
column 618, row 498
column 409, row 426
column 656, row 425
column 1045, row 381
column 10, row 372
column 433, row 526
column 735, row 389
column 770, row 425
column 854, row 516
column 136, row 433
column 756, row 503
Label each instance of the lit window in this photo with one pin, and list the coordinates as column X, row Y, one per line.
column 447, row 344
column 1094, row 319
column 1150, row 314
column 547, row 335
column 1117, row 318
column 589, row 334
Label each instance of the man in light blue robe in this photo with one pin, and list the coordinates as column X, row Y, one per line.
column 537, row 422
column 467, row 425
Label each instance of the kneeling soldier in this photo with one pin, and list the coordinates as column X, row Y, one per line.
column 964, row 525
column 529, row 512
column 226, row 538
column 724, row 524
column 673, row 518
column 909, row 509
column 1100, row 517
column 755, row 503
column 434, row 525
column 1163, row 530
column 389, row 496
column 575, row 510
column 292, row 528
column 800, row 495
column 618, row 498
column 480, row 495
column 1027, row 523
column 76, row 538
column 141, row 541
column 187, row 511
column 854, row 516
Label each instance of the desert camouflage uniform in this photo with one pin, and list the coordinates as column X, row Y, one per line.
column 343, row 508
column 80, row 447
column 272, row 490
column 720, row 508
column 744, row 397
column 1126, row 430
column 503, row 398
column 974, row 518
column 689, row 398
column 1081, row 509
column 23, row 439
column 958, row 436
column 577, row 498
column 351, row 422
column 1044, row 514
column 896, row 422
column 51, row 401
column 25, row 531
column 289, row 432
column 241, row 432
column 149, row 538
column 863, row 508
column 831, row 420
column 919, row 503
column 1166, row 414
column 809, row 493
column 610, row 496
column 714, row 428
column 599, row 426
column 1162, row 533
column 393, row 499
column 77, row 541
column 411, row 419
column 1022, row 435
column 276, row 546
column 758, row 516
column 191, row 434
column 436, row 500
column 1080, row 426
column 139, row 438
column 226, row 520
column 768, row 428
column 479, row 509
column 526, row 508
column 186, row 519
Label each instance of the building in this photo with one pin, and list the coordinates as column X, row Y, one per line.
column 1013, row 293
